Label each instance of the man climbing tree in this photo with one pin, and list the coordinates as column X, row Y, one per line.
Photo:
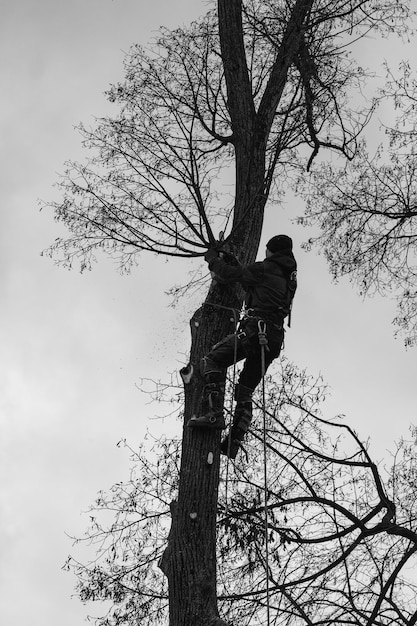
column 254, row 90
column 270, row 287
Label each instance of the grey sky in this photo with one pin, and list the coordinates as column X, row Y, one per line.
column 73, row 347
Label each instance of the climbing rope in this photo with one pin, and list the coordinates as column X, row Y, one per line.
column 229, row 436
column 263, row 342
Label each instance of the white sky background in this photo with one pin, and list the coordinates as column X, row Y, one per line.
column 73, row 346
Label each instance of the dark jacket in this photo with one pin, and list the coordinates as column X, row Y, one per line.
column 265, row 282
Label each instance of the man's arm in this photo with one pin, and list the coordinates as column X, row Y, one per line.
column 246, row 275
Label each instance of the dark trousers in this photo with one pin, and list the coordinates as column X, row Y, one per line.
column 245, row 345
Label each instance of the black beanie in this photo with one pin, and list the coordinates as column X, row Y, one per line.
column 279, row 242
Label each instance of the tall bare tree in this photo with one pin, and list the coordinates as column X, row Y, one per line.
column 255, row 89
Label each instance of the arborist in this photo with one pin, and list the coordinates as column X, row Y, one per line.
column 270, row 286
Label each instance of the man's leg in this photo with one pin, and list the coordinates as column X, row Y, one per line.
column 213, row 367
column 249, row 379
column 241, row 421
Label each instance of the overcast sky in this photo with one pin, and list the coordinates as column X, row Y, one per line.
column 74, row 347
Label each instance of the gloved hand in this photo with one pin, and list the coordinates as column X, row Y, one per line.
column 228, row 258
column 211, row 254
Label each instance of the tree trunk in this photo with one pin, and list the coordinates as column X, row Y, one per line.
column 189, row 561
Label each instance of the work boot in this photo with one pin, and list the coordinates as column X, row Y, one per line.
column 231, row 443
column 212, row 409
column 241, row 422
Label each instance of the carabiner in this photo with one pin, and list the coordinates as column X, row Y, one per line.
column 263, row 339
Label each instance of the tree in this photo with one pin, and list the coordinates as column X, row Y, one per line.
column 254, row 87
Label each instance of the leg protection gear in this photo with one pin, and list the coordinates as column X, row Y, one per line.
column 241, row 422
column 212, row 408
